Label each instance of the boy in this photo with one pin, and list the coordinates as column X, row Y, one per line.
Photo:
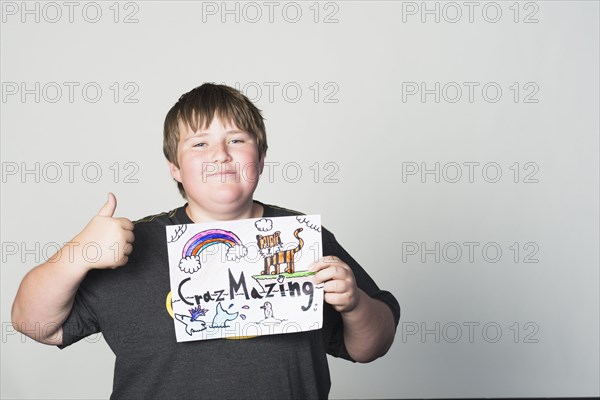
column 211, row 135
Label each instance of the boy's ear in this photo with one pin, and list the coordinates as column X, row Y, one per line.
column 175, row 172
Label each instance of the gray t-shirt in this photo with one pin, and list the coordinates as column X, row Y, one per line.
column 128, row 305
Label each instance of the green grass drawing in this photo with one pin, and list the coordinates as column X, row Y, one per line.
column 285, row 275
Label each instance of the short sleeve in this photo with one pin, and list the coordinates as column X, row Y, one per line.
column 82, row 321
column 335, row 330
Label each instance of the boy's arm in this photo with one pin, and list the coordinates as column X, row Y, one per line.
column 45, row 298
column 41, row 316
column 369, row 326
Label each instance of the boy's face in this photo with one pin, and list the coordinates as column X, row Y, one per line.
column 219, row 167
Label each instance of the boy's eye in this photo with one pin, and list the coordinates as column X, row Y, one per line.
column 200, row 145
column 236, row 141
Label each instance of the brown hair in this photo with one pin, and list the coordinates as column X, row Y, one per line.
column 198, row 107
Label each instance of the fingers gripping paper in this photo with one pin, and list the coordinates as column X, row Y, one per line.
column 244, row 278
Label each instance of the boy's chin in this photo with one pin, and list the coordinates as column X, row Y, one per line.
column 224, row 197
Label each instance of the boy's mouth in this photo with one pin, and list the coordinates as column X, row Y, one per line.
column 214, row 168
column 222, row 173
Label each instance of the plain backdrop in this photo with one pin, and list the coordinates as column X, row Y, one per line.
column 451, row 147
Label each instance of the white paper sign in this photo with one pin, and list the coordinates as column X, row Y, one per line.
column 245, row 278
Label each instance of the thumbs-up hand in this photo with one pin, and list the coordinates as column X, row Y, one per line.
column 111, row 238
column 108, row 209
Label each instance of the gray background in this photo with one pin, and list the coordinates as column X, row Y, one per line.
column 362, row 60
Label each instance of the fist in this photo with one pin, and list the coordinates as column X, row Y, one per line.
column 339, row 284
column 111, row 237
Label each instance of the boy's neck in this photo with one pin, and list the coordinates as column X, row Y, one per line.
column 197, row 214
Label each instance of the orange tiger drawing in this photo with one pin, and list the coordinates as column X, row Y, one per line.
column 271, row 248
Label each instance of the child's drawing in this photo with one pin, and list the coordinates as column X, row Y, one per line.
column 197, row 312
column 269, row 316
column 227, row 281
column 190, row 257
column 305, row 219
column 271, row 249
column 178, row 231
column 191, row 325
column 220, row 320
column 268, row 307
column 264, row 225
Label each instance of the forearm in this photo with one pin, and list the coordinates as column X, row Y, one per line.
column 45, row 298
column 369, row 329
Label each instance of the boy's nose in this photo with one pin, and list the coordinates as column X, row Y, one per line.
column 221, row 154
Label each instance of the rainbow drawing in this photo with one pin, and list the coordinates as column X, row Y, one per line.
column 208, row 238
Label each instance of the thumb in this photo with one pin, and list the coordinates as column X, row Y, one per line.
column 108, row 209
